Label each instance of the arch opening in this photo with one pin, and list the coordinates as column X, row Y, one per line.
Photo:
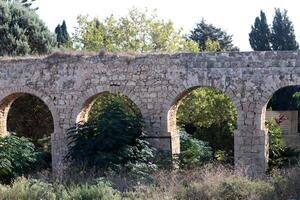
column 207, row 115
column 281, row 122
column 92, row 106
column 26, row 115
column 108, row 126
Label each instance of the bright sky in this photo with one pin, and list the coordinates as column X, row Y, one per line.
column 233, row 16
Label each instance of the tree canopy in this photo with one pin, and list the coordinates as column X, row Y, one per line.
column 259, row 37
column 280, row 37
column 22, row 32
column 137, row 31
column 203, row 31
column 62, row 35
column 282, row 32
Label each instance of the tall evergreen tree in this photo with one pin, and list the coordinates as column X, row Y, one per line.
column 282, row 32
column 62, row 35
column 203, row 31
column 260, row 35
column 64, row 31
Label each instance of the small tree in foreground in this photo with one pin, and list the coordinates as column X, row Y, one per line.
column 17, row 157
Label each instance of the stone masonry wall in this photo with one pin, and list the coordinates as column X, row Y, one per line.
column 68, row 84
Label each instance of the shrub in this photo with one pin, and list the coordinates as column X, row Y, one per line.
column 28, row 189
column 17, row 157
column 279, row 154
column 227, row 188
column 193, row 151
column 113, row 139
column 102, row 190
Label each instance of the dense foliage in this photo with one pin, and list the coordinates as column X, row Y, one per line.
column 137, row 31
column 17, row 157
column 193, row 152
column 282, row 32
column 280, row 37
column 260, row 34
column 210, row 116
column 22, row 32
column 279, row 154
column 113, row 138
column 62, row 36
column 203, row 31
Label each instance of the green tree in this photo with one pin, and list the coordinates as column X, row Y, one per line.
column 279, row 154
column 137, row 31
column 211, row 45
column 282, row 32
column 62, row 35
column 22, row 32
column 260, row 35
column 210, row 116
column 17, row 156
column 203, row 31
column 112, row 138
column 193, row 152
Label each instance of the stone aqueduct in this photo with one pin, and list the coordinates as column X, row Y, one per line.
column 68, row 84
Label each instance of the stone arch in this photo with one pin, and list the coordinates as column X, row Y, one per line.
column 270, row 85
column 8, row 96
column 267, row 93
column 87, row 100
column 177, row 95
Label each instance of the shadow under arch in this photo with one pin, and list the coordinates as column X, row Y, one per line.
column 175, row 103
column 9, row 96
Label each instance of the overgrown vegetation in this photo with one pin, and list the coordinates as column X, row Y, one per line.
column 111, row 139
column 203, row 183
column 18, row 156
column 209, row 115
column 279, row 154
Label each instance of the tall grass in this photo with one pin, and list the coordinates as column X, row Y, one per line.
column 205, row 183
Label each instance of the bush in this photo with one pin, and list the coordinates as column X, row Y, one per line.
column 279, row 154
column 193, row 151
column 113, row 139
column 227, row 188
column 102, row 190
column 17, row 157
column 28, row 189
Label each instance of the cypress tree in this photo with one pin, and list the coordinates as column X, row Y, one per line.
column 260, row 35
column 59, row 36
column 282, row 32
column 62, row 35
column 64, row 32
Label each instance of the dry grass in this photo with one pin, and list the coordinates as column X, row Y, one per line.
column 205, row 183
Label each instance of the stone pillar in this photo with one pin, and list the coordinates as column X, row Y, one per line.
column 250, row 142
column 59, row 141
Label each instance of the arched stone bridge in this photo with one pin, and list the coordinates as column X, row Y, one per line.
column 68, row 84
